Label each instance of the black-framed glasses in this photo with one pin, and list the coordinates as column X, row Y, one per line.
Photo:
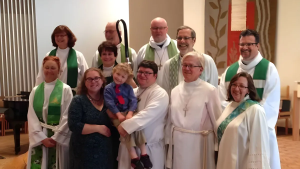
column 145, row 73
column 247, row 44
column 189, row 66
column 158, row 28
column 184, row 38
column 96, row 79
column 239, row 86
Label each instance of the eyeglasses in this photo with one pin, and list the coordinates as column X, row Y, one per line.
column 247, row 44
column 184, row 38
column 158, row 28
column 57, row 35
column 109, row 31
column 96, row 79
column 240, row 87
column 145, row 73
column 189, row 66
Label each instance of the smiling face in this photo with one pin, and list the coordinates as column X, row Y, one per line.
column 146, row 77
column 120, row 77
column 61, row 39
column 239, row 89
column 251, row 51
column 185, row 46
column 191, row 69
column 108, row 58
column 93, row 81
column 51, row 71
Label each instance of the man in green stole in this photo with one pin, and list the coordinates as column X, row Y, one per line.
column 112, row 36
column 266, row 81
column 160, row 47
column 53, row 118
column 172, row 75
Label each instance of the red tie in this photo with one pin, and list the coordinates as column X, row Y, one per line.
column 118, row 94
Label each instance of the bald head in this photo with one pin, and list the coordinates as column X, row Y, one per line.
column 111, row 33
column 159, row 29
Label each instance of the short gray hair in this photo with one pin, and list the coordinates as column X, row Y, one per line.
column 193, row 33
column 197, row 55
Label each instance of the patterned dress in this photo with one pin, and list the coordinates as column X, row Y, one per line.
column 92, row 150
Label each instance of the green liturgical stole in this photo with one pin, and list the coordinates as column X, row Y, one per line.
column 72, row 67
column 54, row 112
column 172, row 51
column 54, row 103
column 237, row 111
column 123, row 56
column 259, row 76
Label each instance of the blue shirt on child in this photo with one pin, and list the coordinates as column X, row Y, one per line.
column 112, row 102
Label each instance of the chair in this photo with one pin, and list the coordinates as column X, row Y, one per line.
column 285, row 108
column 4, row 124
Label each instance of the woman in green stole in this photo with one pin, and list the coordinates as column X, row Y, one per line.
column 90, row 143
column 49, row 133
column 242, row 128
column 73, row 63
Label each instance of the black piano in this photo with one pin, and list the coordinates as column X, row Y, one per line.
column 16, row 114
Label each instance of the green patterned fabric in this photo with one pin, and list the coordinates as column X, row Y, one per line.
column 53, row 117
column 237, row 111
column 123, row 56
column 172, row 51
column 72, row 67
column 173, row 71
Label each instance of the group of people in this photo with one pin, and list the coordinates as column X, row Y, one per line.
column 164, row 110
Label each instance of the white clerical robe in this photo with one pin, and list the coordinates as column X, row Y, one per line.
column 118, row 60
column 37, row 134
column 245, row 141
column 63, row 56
column 150, row 118
column 270, row 101
column 210, row 73
column 160, row 55
column 194, row 110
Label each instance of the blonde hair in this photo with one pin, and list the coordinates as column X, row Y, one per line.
column 125, row 68
column 197, row 55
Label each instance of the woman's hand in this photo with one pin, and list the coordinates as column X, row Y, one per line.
column 131, row 82
column 111, row 115
column 49, row 142
column 102, row 129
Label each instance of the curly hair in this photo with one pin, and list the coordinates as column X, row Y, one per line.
column 71, row 37
column 82, row 89
column 252, row 90
column 125, row 68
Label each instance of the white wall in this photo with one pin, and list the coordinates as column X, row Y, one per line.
column 193, row 16
column 86, row 19
column 288, row 44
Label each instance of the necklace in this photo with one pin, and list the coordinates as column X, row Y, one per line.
column 92, row 99
column 138, row 97
column 160, row 58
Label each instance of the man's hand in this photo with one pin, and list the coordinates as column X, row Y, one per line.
column 49, row 142
column 122, row 132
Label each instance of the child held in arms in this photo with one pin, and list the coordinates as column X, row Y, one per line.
column 121, row 101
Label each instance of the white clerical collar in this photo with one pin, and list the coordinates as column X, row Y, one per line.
column 118, row 46
column 64, row 50
column 108, row 68
column 192, row 84
column 240, row 102
column 51, row 83
column 154, row 45
column 252, row 64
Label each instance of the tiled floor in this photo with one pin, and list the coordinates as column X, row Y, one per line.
column 289, row 150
